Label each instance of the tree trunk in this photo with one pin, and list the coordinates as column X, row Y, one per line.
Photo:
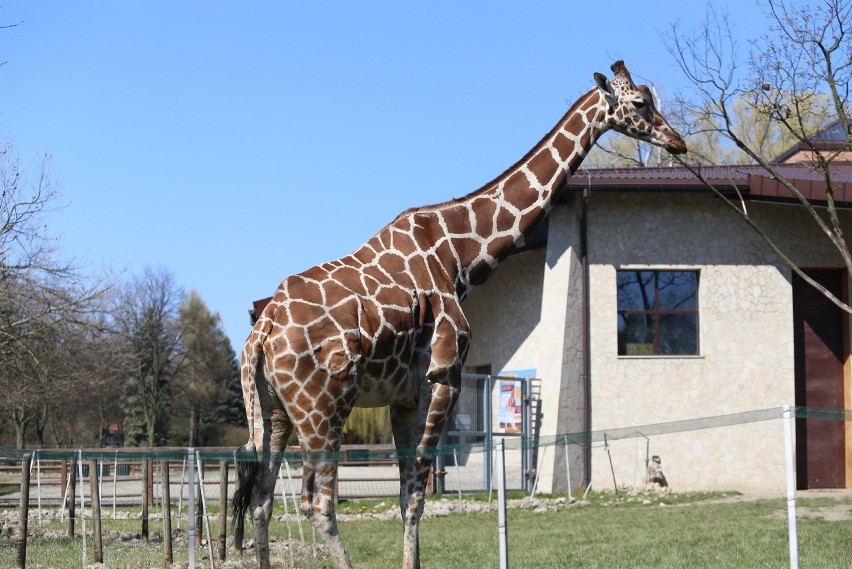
column 21, row 421
column 20, row 434
column 151, row 429
column 41, row 425
column 60, row 435
column 193, row 426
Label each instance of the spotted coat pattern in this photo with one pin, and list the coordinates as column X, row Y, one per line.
column 384, row 325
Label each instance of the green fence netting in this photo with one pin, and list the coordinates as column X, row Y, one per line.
column 373, row 454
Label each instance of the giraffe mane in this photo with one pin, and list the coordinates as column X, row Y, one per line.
column 505, row 174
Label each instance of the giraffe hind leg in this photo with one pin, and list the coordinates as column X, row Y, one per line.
column 319, row 410
column 321, row 457
column 262, row 512
column 257, row 487
column 318, row 497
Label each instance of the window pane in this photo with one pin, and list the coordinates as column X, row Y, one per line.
column 657, row 312
column 636, row 334
column 678, row 334
column 635, row 290
column 678, row 290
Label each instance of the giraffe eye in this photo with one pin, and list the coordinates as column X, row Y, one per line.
column 639, row 105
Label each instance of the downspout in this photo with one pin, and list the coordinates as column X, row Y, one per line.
column 587, row 364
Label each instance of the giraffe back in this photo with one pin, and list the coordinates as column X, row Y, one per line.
column 371, row 310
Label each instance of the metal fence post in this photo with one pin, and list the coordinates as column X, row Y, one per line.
column 487, row 398
column 190, row 534
column 502, row 530
column 82, row 506
column 791, row 487
column 37, row 455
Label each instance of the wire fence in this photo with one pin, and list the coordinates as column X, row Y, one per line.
column 184, row 492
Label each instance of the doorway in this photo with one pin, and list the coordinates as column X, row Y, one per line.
column 820, row 343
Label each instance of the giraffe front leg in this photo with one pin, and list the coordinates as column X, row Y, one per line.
column 416, row 433
column 448, row 350
column 407, row 431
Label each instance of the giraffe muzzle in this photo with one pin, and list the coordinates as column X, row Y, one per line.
column 676, row 146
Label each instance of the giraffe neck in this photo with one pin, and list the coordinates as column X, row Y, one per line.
column 487, row 225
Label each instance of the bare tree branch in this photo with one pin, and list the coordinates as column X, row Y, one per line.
column 794, row 81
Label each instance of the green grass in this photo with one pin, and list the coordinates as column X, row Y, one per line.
column 673, row 531
column 697, row 536
column 62, row 552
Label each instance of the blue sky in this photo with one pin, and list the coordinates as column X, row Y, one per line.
column 237, row 143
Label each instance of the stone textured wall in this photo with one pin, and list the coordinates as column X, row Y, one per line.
column 746, row 359
column 504, row 313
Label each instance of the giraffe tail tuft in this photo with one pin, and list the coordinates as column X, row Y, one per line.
column 247, row 466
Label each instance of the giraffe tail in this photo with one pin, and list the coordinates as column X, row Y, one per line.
column 245, row 458
column 247, row 465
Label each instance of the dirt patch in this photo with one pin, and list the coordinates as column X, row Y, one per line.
column 839, row 495
column 839, row 512
column 834, row 513
column 735, row 499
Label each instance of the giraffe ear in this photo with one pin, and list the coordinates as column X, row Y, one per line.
column 609, row 92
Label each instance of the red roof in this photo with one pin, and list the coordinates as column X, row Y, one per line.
column 257, row 308
column 752, row 180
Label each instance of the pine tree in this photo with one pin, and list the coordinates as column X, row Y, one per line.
column 210, row 380
column 148, row 321
column 230, row 410
column 134, row 423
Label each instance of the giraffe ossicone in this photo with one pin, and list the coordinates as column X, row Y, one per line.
column 384, row 325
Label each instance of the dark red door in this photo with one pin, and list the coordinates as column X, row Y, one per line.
column 820, row 353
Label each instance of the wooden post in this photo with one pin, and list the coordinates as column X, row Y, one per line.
column 63, row 478
column 146, row 498
column 72, row 494
column 96, row 511
column 149, row 480
column 24, row 513
column 168, row 558
column 223, row 509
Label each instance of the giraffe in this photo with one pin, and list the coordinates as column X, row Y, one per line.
column 384, row 325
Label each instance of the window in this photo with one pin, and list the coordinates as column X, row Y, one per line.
column 657, row 312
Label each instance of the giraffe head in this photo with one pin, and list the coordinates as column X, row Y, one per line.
column 631, row 111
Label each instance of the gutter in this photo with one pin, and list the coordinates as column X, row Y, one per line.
column 587, row 364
